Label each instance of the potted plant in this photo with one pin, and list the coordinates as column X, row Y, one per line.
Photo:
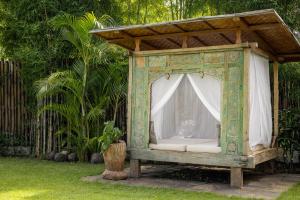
column 114, row 152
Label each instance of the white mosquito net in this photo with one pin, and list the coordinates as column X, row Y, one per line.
column 187, row 106
column 260, row 119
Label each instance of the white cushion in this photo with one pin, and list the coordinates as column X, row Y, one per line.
column 208, row 148
column 171, row 147
column 185, row 141
column 258, row 147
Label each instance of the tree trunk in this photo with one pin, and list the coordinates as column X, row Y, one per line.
column 116, row 109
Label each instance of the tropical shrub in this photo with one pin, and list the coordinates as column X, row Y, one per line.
column 289, row 115
column 289, row 138
column 81, row 108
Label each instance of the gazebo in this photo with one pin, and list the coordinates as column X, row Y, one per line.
column 199, row 89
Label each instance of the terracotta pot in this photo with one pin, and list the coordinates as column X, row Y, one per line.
column 114, row 156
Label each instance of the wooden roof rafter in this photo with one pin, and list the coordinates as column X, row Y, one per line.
column 221, row 34
column 195, row 37
column 122, row 45
column 131, row 37
column 168, row 39
column 245, row 26
column 178, row 34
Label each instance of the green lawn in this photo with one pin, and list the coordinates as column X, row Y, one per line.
column 35, row 179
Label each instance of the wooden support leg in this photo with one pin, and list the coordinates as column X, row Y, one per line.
column 236, row 177
column 135, row 168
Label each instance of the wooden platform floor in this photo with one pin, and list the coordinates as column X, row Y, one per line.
column 191, row 178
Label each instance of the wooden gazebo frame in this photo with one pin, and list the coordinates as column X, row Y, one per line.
column 221, row 45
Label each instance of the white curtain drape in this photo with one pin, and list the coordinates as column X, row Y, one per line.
column 208, row 89
column 186, row 106
column 162, row 91
column 260, row 119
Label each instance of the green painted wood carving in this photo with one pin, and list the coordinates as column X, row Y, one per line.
column 226, row 65
column 139, row 122
column 157, row 61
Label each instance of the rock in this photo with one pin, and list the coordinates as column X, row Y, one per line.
column 60, row 157
column 96, row 158
column 114, row 175
column 22, row 151
column 64, row 152
column 72, row 157
column 50, row 156
column 8, row 151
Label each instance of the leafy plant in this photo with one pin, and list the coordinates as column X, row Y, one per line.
column 116, row 84
column 81, row 108
column 289, row 138
column 110, row 135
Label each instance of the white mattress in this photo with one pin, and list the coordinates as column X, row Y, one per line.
column 208, row 147
column 258, row 147
column 187, row 144
column 186, row 141
column 170, row 147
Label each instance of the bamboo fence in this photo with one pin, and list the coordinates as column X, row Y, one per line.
column 14, row 119
column 20, row 127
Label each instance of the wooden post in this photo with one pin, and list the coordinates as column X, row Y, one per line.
column 137, row 44
column 184, row 42
column 129, row 99
column 135, row 168
column 276, row 102
column 238, row 36
column 246, row 111
column 236, row 177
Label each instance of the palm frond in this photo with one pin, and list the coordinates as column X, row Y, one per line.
column 95, row 113
column 66, row 110
column 59, row 82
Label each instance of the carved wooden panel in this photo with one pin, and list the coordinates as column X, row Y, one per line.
column 235, row 56
column 214, row 57
column 225, row 65
column 232, row 107
column 157, row 61
column 184, row 60
column 139, row 134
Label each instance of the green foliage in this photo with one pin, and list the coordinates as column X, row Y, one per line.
column 289, row 138
column 116, row 84
column 7, row 140
column 110, row 135
column 27, row 35
column 80, row 112
column 289, row 115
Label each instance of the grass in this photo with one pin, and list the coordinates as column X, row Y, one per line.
column 291, row 194
column 34, row 179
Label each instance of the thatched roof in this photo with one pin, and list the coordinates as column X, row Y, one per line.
column 264, row 27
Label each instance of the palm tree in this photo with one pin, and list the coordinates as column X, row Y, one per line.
column 116, row 85
column 80, row 108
